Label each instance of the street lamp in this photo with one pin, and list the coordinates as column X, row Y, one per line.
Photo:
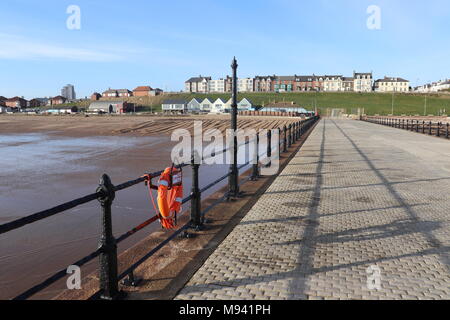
column 233, row 178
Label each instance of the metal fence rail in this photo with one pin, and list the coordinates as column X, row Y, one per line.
column 105, row 194
column 437, row 129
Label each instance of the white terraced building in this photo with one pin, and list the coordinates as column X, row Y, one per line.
column 245, row 85
column 333, row 83
column 363, row 82
column 392, row 84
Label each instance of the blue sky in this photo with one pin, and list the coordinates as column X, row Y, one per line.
column 123, row 44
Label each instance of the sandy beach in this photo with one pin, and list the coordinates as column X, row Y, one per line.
column 81, row 126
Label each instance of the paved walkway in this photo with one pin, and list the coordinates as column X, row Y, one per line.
column 357, row 200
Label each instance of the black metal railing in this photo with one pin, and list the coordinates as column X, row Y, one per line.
column 431, row 128
column 109, row 276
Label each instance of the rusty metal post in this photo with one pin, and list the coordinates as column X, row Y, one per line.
column 109, row 286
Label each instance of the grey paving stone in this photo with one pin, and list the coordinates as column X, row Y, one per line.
column 357, row 195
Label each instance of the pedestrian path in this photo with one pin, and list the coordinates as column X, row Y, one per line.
column 361, row 212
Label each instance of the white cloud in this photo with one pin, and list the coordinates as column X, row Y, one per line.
column 20, row 48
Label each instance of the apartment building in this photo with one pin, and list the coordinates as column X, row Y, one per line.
column 284, row 84
column 197, row 85
column 217, row 86
column 391, row 84
column 348, row 84
column 68, row 92
column 309, row 83
column 264, row 83
column 333, row 83
column 246, row 85
column 363, row 82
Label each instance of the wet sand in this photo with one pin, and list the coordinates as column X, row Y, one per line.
column 128, row 125
column 58, row 159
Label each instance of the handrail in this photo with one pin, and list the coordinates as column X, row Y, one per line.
column 438, row 129
column 105, row 195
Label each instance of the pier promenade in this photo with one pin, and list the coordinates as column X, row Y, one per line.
column 361, row 212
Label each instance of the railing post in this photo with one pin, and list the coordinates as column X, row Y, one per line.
column 294, row 128
column 108, row 247
column 446, row 131
column 298, row 130
column 407, row 124
column 429, row 132
column 290, row 136
column 417, row 126
column 438, row 133
column 423, row 127
column 196, row 196
column 280, row 142
column 269, row 147
column 301, row 128
column 285, row 139
column 255, row 167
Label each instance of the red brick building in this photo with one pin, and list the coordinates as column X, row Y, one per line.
column 142, row 91
column 264, row 83
column 96, row 96
column 35, row 103
column 309, row 83
column 16, row 102
column 58, row 100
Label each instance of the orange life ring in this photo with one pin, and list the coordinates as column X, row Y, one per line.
column 170, row 196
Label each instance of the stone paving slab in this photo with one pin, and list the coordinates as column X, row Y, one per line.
column 357, row 199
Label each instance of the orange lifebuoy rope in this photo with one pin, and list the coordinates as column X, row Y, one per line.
column 169, row 222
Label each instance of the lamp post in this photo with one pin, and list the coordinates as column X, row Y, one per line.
column 233, row 178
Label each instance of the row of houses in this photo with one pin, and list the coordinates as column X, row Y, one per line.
column 18, row 103
column 360, row 82
column 206, row 105
column 141, row 91
column 440, row 85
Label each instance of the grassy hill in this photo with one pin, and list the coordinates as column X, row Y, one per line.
column 373, row 103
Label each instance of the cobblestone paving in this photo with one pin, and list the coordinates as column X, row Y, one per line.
column 356, row 199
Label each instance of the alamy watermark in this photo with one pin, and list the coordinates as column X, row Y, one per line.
column 74, row 281
column 73, row 22
column 249, row 151
column 373, row 278
column 374, row 19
